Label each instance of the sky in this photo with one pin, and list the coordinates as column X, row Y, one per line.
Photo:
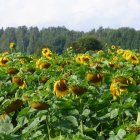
column 79, row 15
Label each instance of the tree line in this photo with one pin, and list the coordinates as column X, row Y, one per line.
column 32, row 40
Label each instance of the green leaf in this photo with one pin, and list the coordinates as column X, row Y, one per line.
column 86, row 112
column 131, row 136
column 114, row 113
column 138, row 119
column 72, row 119
column 138, row 137
column 6, row 127
column 32, row 125
column 7, row 137
column 121, row 133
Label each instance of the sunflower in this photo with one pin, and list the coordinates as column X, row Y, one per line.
column 78, row 90
column 94, row 78
column 42, row 64
column 12, row 71
column 61, row 88
column 47, row 53
column 4, row 54
column 115, row 91
column 3, row 116
column 134, row 59
column 20, row 82
column 127, row 53
column 12, row 45
column 100, row 52
column 96, row 64
column 3, row 61
column 113, row 47
column 113, row 65
column 78, row 58
column 43, row 79
column 13, row 106
column 120, row 51
column 83, row 58
column 39, row 105
column 118, row 86
column 64, row 63
column 31, row 70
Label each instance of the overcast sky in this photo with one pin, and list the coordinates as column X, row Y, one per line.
column 80, row 15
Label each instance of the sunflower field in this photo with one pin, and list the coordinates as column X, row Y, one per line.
column 70, row 96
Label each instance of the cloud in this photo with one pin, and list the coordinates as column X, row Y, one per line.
column 74, row 14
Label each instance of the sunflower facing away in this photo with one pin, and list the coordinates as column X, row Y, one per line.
column 118, row 86
column 61, row 88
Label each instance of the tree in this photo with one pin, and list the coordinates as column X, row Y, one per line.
column 86, row 43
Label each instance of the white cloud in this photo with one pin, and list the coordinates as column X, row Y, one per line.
column 74, row 14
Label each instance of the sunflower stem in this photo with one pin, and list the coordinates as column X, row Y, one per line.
column 48, row 127
column 81, row 120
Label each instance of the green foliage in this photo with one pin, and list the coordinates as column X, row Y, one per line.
column 76, row 114
column 86, row 44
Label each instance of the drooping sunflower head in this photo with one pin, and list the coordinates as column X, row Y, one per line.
column 96, row 64
column 13, row 106
column 94, row 78
column 3, row 61
column 39, row 105
column 78, row 90
column 19, row 81
column 12, row 71
column 43, row 79
column 42, row 64
column 114, row 89
column 100, row 52
column 134, row 59
column 4, row 54
column 12, row 45
column 61, row 88
column 118, row 86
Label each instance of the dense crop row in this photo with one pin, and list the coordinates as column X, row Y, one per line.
column 95, row 95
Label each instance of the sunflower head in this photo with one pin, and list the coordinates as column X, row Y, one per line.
column 78, row 90
column 31, row 70
column 113, row 47
column 13, row 106
column 134, row 59
column 12, row 45
column 61, row 88
column 42, row 64
column 12, row 71
column 19, row 81
column 64, row 63
column 3, row 61
column 47, row 53
column 120, row 51
column 116, row 90
column 43, row 79
column 100, row 52
column 83, row 58
column 94, row 77
column 39, row 105
column 97, row 65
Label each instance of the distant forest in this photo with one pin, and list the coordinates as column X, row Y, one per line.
column 32, row 40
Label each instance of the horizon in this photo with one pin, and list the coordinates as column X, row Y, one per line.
column 28, row 27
